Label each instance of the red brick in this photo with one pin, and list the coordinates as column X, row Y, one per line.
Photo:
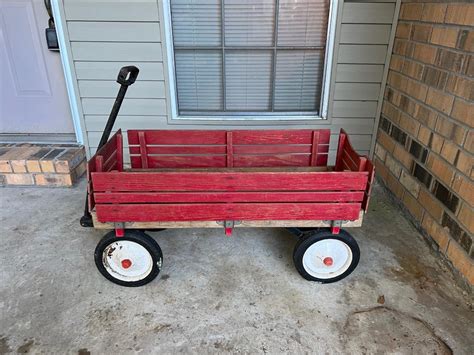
column 386, row 141
column 421, row 32
column 466, row 40
column 440, row 100
column 411, row 11
column 465, row 163
column 434, row 12
column 403, row 156
column 425, row 53
column 413, row 206
column 424, row 135
column 403, row 30
column 436, row 143
column 435, row 231
column 469, row 143
column 5, row 166
column 408, row 124
column 33, row 166
column 393, row 165
column 425, row 115
column 444, row 36
column 463, row 111
column 47, row 166
column 19, row 179
column 466, row 217
column 430, row 204
column 53, row 180
column 449, row 151
column 413, row 69
column 442, row 170
column 450, row 60
column 18, row 166
column 394, row 185
column 461, row 261
column 396, row 63
column 460, row 14
column 461, row 87
column 464, row 187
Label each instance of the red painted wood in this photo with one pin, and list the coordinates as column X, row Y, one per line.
column 196, row 197
column 143, row 150
column 181, row 137
column 272, row 149
column 314, row 148
column 370, row 182
column 227, row 211
column 241, row 161
column 99, row 163
column 275, row 136
column 233, row 181
column 180, row 161
column 180, row 149
column 119, row 151
column 110, row 147
column 340, row 148
column 229, row 150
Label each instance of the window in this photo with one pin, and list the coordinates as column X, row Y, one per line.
column 241, row 58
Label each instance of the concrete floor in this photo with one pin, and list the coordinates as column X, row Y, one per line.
column 218, row 294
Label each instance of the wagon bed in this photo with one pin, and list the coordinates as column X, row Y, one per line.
column 211, row 178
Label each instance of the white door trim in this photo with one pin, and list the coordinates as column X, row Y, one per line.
column 68, row 65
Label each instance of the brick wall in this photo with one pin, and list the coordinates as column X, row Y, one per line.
column 425, row 145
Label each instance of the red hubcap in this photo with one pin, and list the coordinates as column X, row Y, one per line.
column 126, row 263
column 328, row 261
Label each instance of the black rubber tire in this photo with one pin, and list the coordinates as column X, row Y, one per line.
column 138, row 237
column 309, row 239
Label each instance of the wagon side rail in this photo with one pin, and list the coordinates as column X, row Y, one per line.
column 106, row 159
column 348, row 159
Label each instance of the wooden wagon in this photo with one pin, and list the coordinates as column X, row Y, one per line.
column 227, row 179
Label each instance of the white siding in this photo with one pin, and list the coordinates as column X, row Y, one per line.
column 117, row 33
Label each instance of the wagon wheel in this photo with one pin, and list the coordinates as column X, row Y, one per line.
column 132, row 260
column 325, row 257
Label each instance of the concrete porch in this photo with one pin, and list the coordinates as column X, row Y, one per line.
column 218, row 294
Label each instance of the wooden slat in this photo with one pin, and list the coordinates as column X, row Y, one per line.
column 229, row 150
column 272, row 160
column 365, row 34
column 226, row 211
column 94, row 31
column 181, row 161
column 143, row 150
column 272, row 149
column 117, row 51
column 183, row 137
column 238, row 181
column 181, row 149
column 276, row 137
column 208, row 197
column 359, row 73
column 368, row 13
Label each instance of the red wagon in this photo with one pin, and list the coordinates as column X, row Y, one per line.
column 227, row 179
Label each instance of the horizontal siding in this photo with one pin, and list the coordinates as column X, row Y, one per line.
column 356, row 91
column 111, row 10
column 97, row 122
column 363, row 54
column 88, row 31
column 109, row 70
column 116, row 51
column 109, row 89
column 139, row 107
column 359, row 73
column 368, row 12
column 354, row 109
column 365, row 34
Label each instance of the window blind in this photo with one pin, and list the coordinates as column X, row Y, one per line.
column 236, row 57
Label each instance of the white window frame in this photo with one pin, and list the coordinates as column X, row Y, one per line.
column 328, row 59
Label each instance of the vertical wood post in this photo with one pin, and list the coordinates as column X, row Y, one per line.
column 314, row 149
column 119, row 155
column 229, row 150
column 143, row 152
column 340, row 151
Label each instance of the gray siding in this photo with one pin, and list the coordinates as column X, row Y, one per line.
column 108, row 34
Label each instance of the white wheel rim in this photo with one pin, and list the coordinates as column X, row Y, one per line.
column 127, row 261
column 318, row 257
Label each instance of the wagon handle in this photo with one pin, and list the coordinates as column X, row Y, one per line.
column 127, row 75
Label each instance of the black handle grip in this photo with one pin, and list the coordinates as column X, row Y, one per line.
column 128, row 75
